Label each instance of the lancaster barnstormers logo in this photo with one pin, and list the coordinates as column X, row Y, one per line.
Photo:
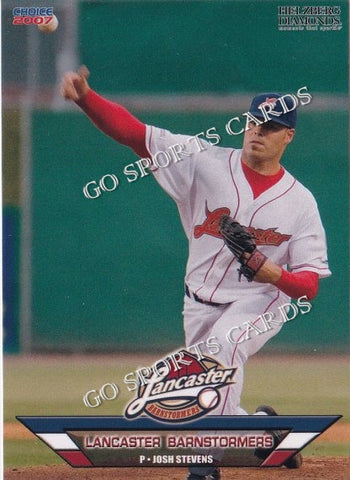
column 210, row 226
column 178, row 395
column 269, row 101
column 267, row 236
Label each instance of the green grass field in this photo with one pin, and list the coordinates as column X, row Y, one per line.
column 55, row 385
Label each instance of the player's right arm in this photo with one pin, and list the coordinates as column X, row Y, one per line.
column 74, row 85
column 111, row 118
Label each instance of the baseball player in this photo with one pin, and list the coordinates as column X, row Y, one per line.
column 255, row 235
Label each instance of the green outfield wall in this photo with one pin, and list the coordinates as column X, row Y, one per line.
column 108, row 272
column 10, row 272
column 216, row 46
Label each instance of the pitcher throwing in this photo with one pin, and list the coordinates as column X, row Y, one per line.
column 255, row 235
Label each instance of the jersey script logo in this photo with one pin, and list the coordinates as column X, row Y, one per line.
column 210, row 226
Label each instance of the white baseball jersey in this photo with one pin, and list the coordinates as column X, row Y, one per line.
column 206, row 182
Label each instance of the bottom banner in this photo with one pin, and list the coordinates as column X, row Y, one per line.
column 234, row 441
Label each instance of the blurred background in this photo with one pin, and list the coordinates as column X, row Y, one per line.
column 106, row 275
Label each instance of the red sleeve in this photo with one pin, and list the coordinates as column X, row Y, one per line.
column 296, row 285
column 115, row 121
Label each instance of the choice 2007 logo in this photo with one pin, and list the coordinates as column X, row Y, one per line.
column 32, row 15
column 177, row 395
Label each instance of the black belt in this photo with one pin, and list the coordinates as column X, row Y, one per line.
column 195, row 297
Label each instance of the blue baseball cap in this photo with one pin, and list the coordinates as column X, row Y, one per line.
column 275, row 107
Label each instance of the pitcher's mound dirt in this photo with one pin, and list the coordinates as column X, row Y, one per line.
column 335, row 468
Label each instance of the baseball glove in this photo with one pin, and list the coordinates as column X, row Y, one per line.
column 242, row 245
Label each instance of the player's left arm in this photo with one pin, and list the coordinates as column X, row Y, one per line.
column 307, row 257
column 255, row 266
column 295, row 285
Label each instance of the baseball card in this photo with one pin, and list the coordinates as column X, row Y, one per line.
column 175, row 239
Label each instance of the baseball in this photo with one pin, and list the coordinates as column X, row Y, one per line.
column 49, row 27
column 208, row 398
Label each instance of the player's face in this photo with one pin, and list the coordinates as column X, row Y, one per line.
column 266, row 142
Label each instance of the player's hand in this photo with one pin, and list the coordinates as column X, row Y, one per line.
column 74, row 85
